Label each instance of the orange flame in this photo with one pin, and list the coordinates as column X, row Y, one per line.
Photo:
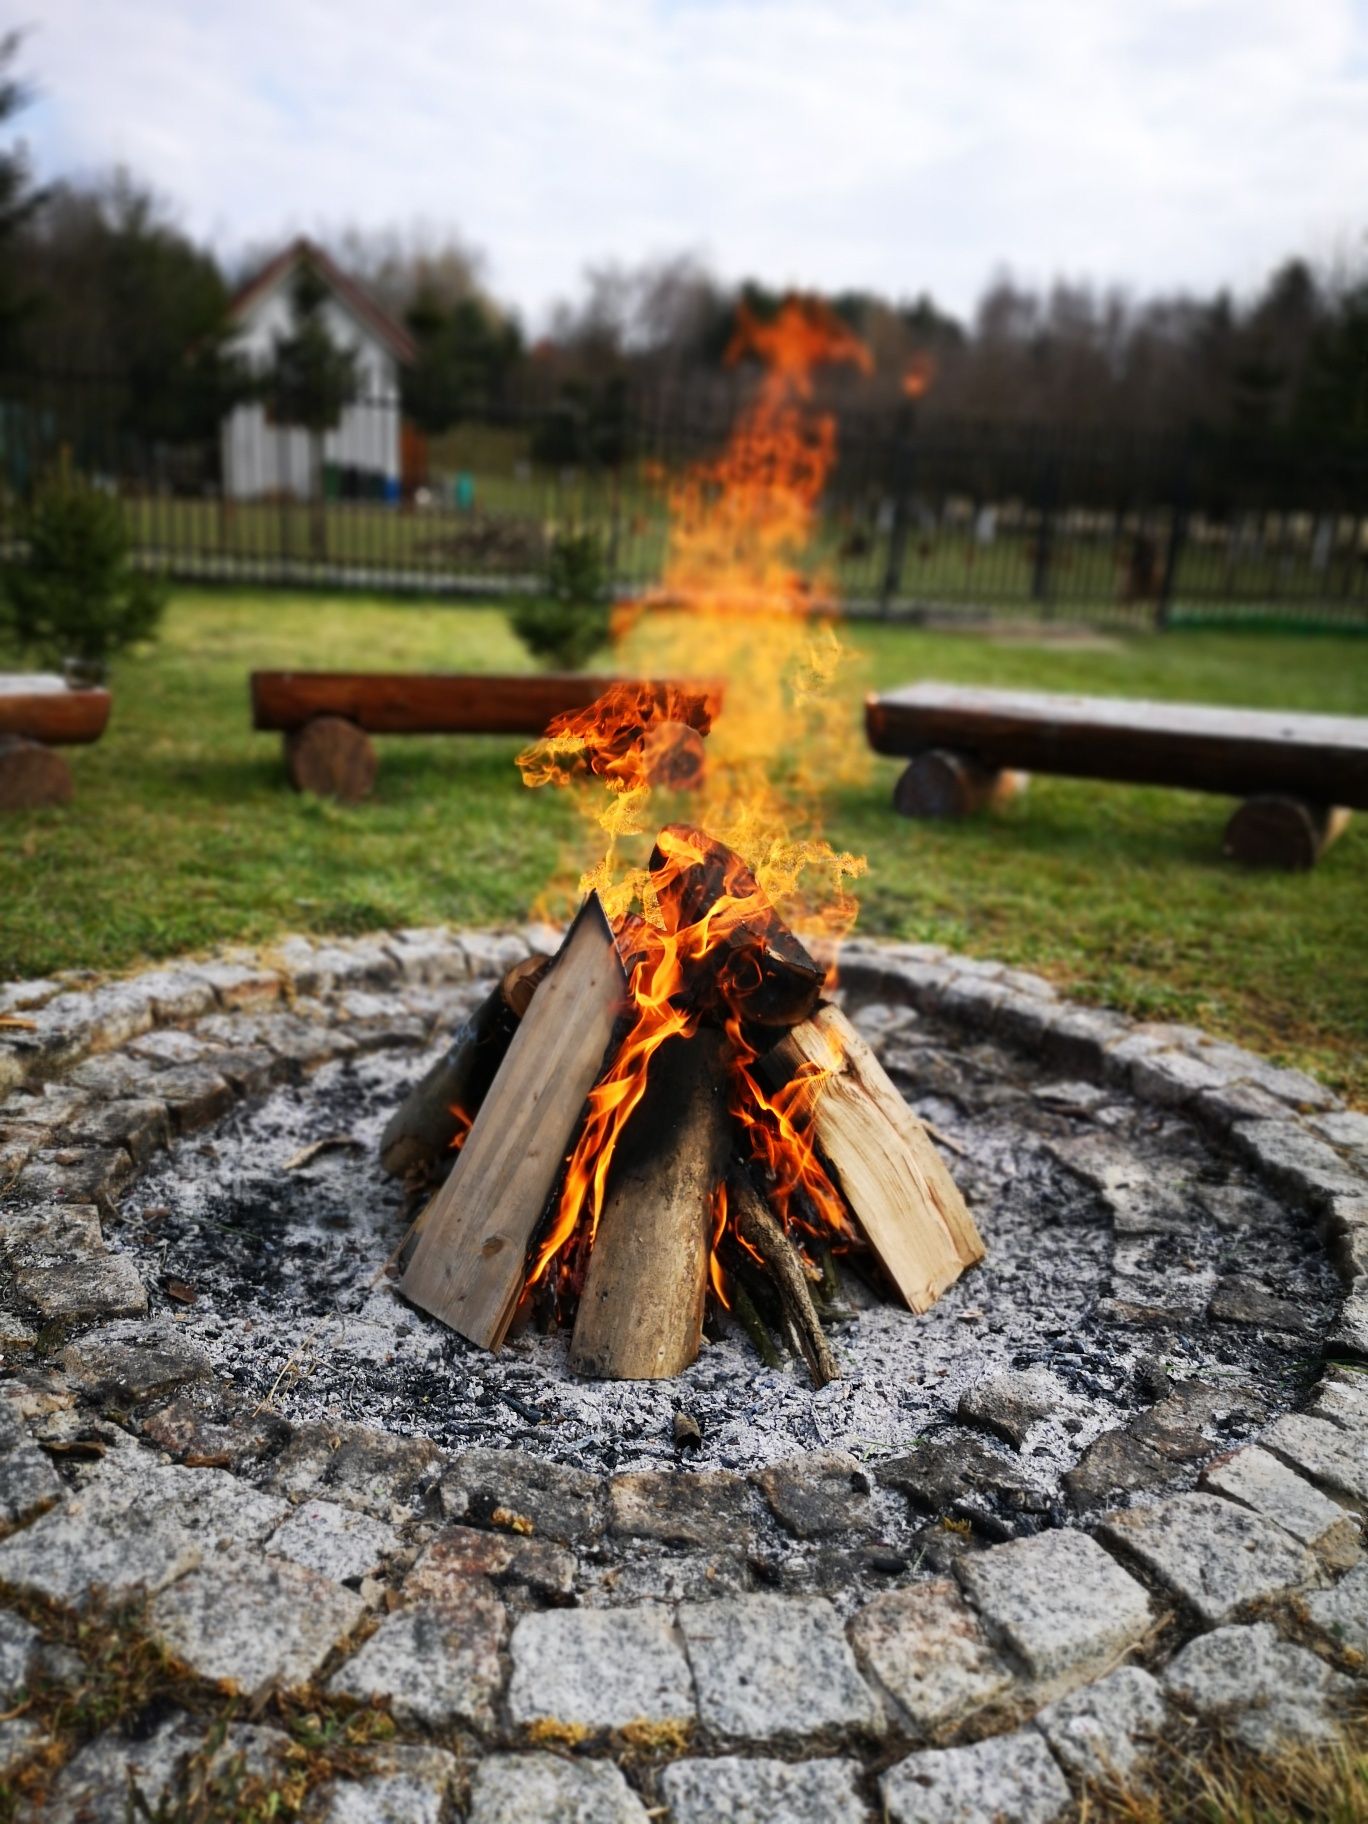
column 740, row 601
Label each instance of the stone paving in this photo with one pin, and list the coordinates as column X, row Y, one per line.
column 553, row 1643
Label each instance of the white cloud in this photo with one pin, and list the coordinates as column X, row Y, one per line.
column 890, row 143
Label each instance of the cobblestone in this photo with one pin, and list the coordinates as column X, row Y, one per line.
column 1258, row 1480
column 497, row 1487
column 770, row 1669
column 407, row 1785
column 818, row 1496
column 431, row 1666
column 1109, row 1729
column 254, row 1624
column 1267, row 1693
column 1217, row 1557
column 337, row 1542
column 1342, row 1613
column 1008, row 1776
column 516, row 1788
column 1059, row 1603
column 593, row 1669
column 926, row 1648
column 733, row 1790
column 1324, row 1453
column 681, row 1509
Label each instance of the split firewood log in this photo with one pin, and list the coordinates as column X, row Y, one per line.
column 469, row 1261
column 759, row 968
column 880, row 1156
column 641, row 1307
column 758, row 1228
column 441, row 1105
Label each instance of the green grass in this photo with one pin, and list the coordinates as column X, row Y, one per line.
column 184, row 834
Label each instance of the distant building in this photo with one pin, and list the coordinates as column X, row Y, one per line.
column 362, row 456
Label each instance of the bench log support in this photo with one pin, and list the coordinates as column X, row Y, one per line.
column 943, row 785
column 1275, row 831
column 32, row 777
column 332, row 758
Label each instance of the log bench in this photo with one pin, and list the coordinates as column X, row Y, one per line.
column 328, row 717
column 38, row 713
column 1298, row 776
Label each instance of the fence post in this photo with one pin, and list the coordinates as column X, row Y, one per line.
column 1177, row 538
column 1040, row 569
column 899, row 480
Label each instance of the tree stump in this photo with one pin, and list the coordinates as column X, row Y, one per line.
column 1275, row 831
column 332, row 758
column 943, row 785
column 32, row 776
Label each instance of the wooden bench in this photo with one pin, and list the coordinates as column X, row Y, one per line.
column 1298, row 775
column 328, row 717
column 37, row 714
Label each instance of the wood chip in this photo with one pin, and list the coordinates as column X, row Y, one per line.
column 76, row 1447
column 15, row 1022
column 332, row 1143
column 180, row 1290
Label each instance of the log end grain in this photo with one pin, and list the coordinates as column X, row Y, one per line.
column 1274, row 831
column 331, row 758
column 943, row 786
column 32, row 777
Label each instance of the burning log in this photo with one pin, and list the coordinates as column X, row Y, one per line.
column 758, row 1229
column 881, row 1158
column 469, row 1262
column 641, row 1307
column 758, row 966
column 423, row 1129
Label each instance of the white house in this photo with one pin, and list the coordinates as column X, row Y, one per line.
column 264, row 459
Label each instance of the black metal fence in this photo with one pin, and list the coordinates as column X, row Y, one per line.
column 918, row 516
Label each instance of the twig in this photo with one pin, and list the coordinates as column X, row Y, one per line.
column 758, row 1229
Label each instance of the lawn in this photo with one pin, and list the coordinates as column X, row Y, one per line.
column 184, row 834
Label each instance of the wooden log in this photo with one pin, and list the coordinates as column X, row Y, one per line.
column 1194, row 746
column 941, row 785
column 675, row 757
column 884, row 1163
column 757, row 1227
column 331, row 758
column 759, row 968
column 40, row 707
column 1273, row 831
column 469, row 1262
column 32, row 777
column 433, row 703
column 641, row 1308
column 421, row 1132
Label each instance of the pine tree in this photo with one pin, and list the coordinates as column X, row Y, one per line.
column 312, row 381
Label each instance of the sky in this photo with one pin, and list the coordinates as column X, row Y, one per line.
column 884, row 144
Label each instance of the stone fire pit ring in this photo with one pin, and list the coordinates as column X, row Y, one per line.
column 1151, row 1515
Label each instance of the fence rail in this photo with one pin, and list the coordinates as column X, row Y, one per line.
column 919, row 516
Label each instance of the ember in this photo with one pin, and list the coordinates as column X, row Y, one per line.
column 679, row 1113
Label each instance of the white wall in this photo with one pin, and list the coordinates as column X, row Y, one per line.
column 260, row 458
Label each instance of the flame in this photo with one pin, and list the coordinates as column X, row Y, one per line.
column 740, row 601
column 464, row 1123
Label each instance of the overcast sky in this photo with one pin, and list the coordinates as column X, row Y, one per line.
column 883, row 143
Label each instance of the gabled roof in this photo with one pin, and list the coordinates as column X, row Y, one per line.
column 355, row 297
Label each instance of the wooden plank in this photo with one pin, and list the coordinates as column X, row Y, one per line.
column 470, row 1258
column 641, row 1310
column 428, row 703
column 39, row 707
column 1192, row 746
column 884, row 1162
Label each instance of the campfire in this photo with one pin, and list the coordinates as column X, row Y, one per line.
column 670, row 1123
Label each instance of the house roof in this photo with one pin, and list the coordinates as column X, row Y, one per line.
column 355, row 297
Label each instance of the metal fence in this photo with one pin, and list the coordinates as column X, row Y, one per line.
column 919, row 517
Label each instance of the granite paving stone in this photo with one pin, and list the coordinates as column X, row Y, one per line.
column 1008, row 1404
column 358, row 1466
column 818, row 1496
column 406, row 1785
column 431, row 1665
column 254, row 1623
column 501, row 1487
column 139, row 1124
column 1269, row 1694
column 927, row 1649
column 1325, row 1453
column 592, row 1669
column 127, row 1363
column 17, row 1643
column 1059, row 1602
column 1295, row 1161
column 95, row 1785
column 1349, row 1336
column 1109, row 1729
column 518, row 1788
column 772, row 1668
column 1006, row 1777
column 90, row 1286
column 446, row 1567
column 1256, row 1479
column 338, row 1542
column 19, row 1738
column 1342, row 1612
column 681, row 1508
column 735, row 1790
column 195, row 1094
column 29, row 1485
column 70, row 1553
column 1217, row 1557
